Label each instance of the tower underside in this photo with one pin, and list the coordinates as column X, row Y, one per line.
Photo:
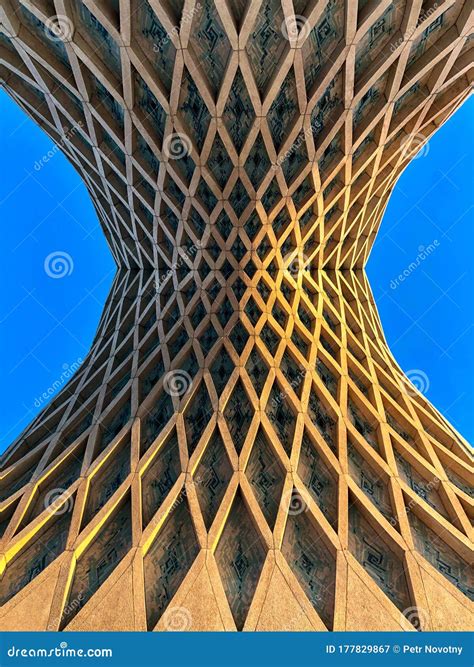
column 239, row 450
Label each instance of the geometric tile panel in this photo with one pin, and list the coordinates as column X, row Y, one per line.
column 442, row 557
column 160, row 477
column 168, row 560
column 238, row 414
column 240, row 555
column 372, row 483
column 319, row 479
column 212, row 478
column 266, row 476
column 36, row 557
column 100, row 559
column 372, row 550
column 313, row 564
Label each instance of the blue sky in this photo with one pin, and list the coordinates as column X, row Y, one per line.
column 47, row 324
column 428, row 318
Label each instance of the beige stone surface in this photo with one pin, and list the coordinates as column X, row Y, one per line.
column 446, row 610
column 364, row 611
column 30, row 611
column 201, row 604
column 112, row 610
column 282, row 609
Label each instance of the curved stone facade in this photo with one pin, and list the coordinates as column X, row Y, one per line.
column 239, row 450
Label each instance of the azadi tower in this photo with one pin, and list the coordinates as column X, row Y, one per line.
column 239, row 450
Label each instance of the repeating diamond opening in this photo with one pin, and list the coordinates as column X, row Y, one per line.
column 37, row 555
column 197, row 416
column 212, row 478
column 319, row 478
column 266, row 476
column 100, row 559
column 313, row 562
column 159, row 477
column 240, row 555
column 238, row 414
column 168, row 561
column 376, row 553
